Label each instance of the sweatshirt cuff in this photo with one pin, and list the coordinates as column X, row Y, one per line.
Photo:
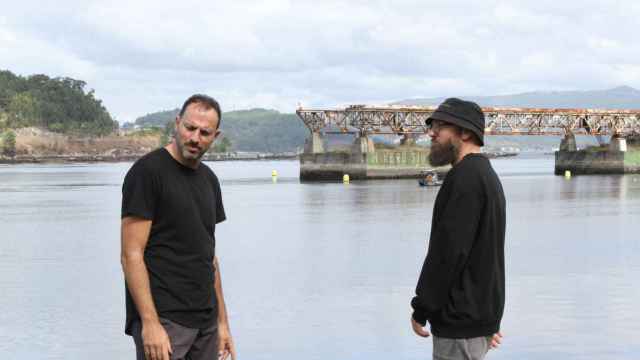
column 419, row 316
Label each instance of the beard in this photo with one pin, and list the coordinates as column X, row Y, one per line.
column 442, row 154
column 188, row 155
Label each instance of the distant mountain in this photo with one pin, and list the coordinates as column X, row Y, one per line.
column 248, row 130
column 622, row 97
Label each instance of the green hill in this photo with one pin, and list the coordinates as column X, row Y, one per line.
column 58, row 104
column 157, row 119
column 248, row 130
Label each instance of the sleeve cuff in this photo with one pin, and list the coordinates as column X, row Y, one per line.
column 146, row 215
column 419, row 316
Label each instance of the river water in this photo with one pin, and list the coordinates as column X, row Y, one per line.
column 323, row 271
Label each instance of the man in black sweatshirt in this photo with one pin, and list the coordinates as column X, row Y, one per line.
column 461, row 287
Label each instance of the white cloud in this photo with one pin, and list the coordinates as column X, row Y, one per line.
column 23, row 53
column 146, row 55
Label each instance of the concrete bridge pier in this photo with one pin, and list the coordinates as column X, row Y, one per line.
column 318, row 163
column 616, row 158
column 361, row 161
column 408, row 139
column 314, row 144
column 363, row 145
column 568, row 143
column 618, row 143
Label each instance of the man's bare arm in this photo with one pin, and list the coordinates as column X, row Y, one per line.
column 225, row 341
column 134, row 238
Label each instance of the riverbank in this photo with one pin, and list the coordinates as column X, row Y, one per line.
column 114, row 158
column 33, row 145
column 36, row 146
column 116, row 155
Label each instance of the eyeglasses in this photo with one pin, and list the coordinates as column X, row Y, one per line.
column 437, row 125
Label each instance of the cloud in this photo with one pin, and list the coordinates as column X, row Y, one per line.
column 147, row 55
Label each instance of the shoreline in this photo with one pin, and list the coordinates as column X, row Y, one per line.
column 113, row 158
column 85, row 158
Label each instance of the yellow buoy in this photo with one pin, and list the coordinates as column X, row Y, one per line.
column 274, row 173
column 345, row 178
column 567, row 174
column 274, row 176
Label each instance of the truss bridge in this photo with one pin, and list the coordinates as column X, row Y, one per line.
column 499, row 121
column 365, row 160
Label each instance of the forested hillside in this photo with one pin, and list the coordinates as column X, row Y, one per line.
column 157, row 119
column 58, row 104
column 248, row 130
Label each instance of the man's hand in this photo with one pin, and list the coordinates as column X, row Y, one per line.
column 419, row 329
column 225, row 343
column 496, row 340
column 157, row 345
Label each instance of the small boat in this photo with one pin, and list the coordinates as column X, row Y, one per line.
column 429, row 178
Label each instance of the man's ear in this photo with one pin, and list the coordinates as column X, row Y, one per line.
column 466, row 135
column 470, row 136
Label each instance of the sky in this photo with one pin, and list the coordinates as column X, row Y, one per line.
column 145, row 56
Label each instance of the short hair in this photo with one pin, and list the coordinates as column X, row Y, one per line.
column 207, row 101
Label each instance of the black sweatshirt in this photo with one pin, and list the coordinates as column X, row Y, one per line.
column 461, row 287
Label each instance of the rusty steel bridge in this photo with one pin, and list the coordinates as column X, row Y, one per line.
column 367, row 120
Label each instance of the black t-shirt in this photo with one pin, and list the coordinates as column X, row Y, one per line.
column 184, row 205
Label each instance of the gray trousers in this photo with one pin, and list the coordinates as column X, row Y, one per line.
column 186, row 343
column 460, row 349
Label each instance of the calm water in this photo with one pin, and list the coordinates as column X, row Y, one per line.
column 323, row 271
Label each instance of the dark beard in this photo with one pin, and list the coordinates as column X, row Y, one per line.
column 186, row 154
column 442, row 154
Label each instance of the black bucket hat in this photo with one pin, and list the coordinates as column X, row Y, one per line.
column 465, row 114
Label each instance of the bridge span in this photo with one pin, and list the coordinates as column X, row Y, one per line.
column 499, row 121
column 366, row 161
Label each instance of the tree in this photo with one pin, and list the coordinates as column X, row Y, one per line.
column 4, row 120
column 24, row 110
column 9, row 143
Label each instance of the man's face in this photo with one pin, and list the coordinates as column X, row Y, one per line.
column 195, row 132
column 445, row 143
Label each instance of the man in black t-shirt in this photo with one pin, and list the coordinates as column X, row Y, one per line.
column 171, row 203
column 461, row 287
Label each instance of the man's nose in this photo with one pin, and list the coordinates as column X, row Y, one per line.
column 194, row 136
